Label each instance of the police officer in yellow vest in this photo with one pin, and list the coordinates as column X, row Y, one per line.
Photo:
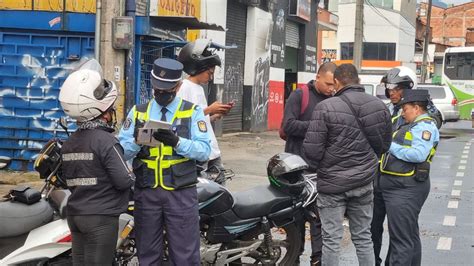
column 165, row 192
column 404, row 180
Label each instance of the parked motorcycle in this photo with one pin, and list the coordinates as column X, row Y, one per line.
column 38, row 234
column 257, row 226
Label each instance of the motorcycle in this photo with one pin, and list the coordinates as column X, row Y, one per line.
column 38, row 234
column 257, row 226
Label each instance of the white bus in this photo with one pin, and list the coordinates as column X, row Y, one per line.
column 458, row 74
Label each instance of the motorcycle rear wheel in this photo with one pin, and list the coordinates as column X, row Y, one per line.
column 287, row 238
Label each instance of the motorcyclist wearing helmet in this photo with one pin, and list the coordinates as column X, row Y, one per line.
column 93, row 166
column 200, row 61
column 395, row 81
column 165, row 192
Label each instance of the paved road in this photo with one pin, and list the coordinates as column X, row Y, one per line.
column 446, row 221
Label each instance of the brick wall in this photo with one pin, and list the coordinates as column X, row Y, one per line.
column 449, row 26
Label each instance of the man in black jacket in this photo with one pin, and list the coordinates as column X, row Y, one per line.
column 346, row 136
column 295, row 125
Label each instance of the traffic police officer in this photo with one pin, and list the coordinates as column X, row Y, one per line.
column 395, row 81
column 404, row 180
column 165, row 192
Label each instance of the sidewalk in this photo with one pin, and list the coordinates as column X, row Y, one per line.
column 247, row 155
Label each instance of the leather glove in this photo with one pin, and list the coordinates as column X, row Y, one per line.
column 166, row 136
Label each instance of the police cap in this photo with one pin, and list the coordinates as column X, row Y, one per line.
column 166, row 73
column 410, row 96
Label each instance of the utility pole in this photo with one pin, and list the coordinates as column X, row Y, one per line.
column 425, row 43
column 111, row 60
column 358, row 34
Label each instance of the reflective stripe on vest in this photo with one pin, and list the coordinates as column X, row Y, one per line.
column 390, row 164
column 162, row 161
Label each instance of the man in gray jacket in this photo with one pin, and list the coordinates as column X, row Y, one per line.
column 346, row 136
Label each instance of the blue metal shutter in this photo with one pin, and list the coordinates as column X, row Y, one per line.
column 33, row 67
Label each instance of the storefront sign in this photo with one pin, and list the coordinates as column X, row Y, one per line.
column 175, row 8
column 328, row 55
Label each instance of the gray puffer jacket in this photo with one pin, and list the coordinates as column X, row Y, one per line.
column 335, row 146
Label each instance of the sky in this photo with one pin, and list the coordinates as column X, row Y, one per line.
column 456, row 2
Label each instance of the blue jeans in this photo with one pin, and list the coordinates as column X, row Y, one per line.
column 357, row 204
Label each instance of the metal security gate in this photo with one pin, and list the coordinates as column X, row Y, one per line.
column 234, row 65
column 149, row 52
column 33, row 67
column 292, row 38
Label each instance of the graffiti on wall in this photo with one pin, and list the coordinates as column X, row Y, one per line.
column 233, row 78
column 278, row 38
column 260, row 94
column 36, row 97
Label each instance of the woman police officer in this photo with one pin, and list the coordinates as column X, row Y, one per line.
column 93, row 165
column 404, row 180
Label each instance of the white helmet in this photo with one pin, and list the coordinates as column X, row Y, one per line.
column 85, row 95
column 400, row 76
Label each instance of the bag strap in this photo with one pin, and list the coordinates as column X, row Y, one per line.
column 304, row 98
column 356, row 115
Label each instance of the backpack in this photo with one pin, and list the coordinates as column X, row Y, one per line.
column 304, row 105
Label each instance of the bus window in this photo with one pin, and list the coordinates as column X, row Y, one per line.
column 459, row 66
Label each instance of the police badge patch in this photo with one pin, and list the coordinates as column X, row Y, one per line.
column 127, row 123
column 202, row 126
column 426, row 135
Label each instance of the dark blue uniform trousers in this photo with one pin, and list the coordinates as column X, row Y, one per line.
column 404, row 197
column 174, row 211
column 376, row 228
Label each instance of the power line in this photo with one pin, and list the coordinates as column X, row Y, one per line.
column 376, row 11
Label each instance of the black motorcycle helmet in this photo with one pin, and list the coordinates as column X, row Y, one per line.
column 285, row 173
column 401, row 76
column 197, row 57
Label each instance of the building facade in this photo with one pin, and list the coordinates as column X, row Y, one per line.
column 389, row 32
column 450, row 26
column 270, row 47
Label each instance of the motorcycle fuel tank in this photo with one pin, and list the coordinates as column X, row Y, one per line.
column 213, row 198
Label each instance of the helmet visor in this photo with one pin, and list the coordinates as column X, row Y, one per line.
column 390, row 86
column 93, row 65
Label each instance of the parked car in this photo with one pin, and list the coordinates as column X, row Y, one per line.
column 444, row 99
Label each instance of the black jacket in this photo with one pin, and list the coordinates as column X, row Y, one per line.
column 337, row 148
column 96, row 173
column 296, row 124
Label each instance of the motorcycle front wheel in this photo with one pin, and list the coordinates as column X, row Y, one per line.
column 285, row 246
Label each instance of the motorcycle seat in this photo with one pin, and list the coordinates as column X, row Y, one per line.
column 260, row 201
column 18, row 218
column 58, row 199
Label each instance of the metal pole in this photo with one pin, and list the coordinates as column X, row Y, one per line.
column 130, row 10
column 425, row 43
column 98, row 11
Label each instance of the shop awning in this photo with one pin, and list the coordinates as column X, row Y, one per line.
column 182, row 23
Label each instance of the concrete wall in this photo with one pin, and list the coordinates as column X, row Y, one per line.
column 257, row 64
column 388, row 26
